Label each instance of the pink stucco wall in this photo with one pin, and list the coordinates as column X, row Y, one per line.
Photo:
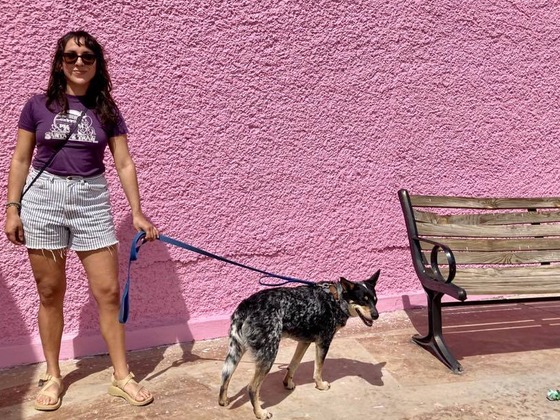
column 277, row 133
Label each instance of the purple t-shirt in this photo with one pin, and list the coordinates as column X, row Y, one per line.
column 83, row 153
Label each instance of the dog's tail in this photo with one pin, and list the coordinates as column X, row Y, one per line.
column 236, row 350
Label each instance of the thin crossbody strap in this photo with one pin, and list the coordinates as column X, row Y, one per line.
column 59, row 148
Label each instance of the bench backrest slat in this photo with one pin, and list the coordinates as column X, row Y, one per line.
column 485, row 231
column 497, row 245
column 488, row 286
column 484, row 203
column 519, row 217
column 510, row 280
column 524, row 257
column 527, row 273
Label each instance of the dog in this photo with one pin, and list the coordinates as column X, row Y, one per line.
column 307, row 314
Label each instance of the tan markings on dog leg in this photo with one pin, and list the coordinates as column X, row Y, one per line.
column 230, row 365
column 254, row 389
column 236, row 350
column 318, row 371
column 223, row 399
column 296, row 360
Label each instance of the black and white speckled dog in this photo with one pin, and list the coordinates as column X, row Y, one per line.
column 307, row 314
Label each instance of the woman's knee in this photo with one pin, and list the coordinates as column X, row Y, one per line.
column 51, row 293
column 107, row 294
column 49, row 272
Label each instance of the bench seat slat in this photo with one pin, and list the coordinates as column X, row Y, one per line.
column 484, row 203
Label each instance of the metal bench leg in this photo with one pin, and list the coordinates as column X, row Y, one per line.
column 433, row 341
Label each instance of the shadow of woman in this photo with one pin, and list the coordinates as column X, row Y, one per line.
column 19, row 381
column 273, row 391
column 156, row 305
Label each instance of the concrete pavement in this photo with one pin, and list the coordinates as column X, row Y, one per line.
column 510, row 354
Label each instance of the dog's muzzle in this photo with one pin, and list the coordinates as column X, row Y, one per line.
column 367, row 317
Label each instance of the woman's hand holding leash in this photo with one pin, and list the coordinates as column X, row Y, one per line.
column 142, row 224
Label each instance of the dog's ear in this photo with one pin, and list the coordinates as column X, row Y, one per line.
column 373, row 279
column 347, row 285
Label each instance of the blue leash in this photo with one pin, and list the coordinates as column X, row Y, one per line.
column 135, row 247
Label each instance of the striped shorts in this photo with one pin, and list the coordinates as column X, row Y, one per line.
column 67, row 212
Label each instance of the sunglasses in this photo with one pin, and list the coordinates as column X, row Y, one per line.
column 71, row 57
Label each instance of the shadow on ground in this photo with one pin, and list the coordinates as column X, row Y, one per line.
column 476, row 330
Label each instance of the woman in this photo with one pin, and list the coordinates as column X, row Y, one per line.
column 67, row 207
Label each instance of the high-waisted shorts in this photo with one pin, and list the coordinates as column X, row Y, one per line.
column 70, row 212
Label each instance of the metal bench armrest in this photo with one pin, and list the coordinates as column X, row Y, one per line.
column 434, row 260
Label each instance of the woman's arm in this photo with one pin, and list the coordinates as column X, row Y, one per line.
column 19, row 169
column 129, row 181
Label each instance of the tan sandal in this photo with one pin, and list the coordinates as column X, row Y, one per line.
column 45, row 383
column 117, row 390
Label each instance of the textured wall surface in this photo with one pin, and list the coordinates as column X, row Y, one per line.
column 277, row 133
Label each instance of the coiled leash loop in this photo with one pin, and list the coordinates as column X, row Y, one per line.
column 139, row 240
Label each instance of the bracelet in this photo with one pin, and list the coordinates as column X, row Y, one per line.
column 13, row 204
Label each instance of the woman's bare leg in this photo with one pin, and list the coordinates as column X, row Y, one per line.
column 102, row 270
column 50, row 276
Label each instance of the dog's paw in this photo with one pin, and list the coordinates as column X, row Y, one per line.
column 289, row 384
column 322, row 385
column 223, row 400
column 263, row 414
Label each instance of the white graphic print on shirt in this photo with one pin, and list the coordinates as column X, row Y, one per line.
column 63, row 123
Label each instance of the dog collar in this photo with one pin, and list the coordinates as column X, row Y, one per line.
column 335, row 289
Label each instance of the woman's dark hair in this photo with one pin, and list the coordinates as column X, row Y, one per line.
column 98, row 95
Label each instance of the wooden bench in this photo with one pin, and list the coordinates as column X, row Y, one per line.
column 496, row 247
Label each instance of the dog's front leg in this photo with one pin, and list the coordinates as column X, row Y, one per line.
column 296, row 360
column 321, row 349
